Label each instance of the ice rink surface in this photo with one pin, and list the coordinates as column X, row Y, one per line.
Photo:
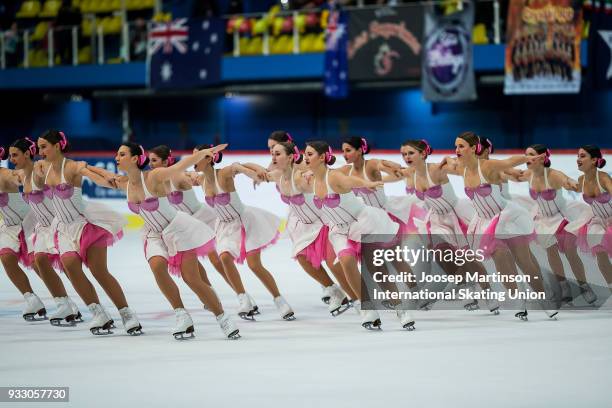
column 453, row 358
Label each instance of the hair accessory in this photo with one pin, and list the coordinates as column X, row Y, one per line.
column 428, row 149
column 364, row 145
column 142, row 156
column 328, row 155
column 296, row 153
column 289, row 138
column 63, row 142
column 32, row 147
column 171, row 159
column 491, row 148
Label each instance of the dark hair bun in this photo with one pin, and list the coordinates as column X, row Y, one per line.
column 331, row 160
column 601, row 163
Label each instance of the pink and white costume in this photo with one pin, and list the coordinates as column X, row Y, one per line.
column 496, row 219
column 16, row 227
column 402, row 209
column 596, row 234
column 43, row 238
column 79, row 227
column 555, row 215
column 350, row 220
column 169, row 233
column 304, row 225
column 240, row 229
column 447, row 217
column 187, row 201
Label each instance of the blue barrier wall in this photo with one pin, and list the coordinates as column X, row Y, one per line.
column 385, row 117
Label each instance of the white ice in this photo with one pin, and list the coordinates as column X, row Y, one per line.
column 454, row 358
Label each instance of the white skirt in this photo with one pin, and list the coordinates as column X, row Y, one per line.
column 185, row 234
column 254, row 231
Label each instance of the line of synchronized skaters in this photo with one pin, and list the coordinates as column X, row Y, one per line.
column 48, row 226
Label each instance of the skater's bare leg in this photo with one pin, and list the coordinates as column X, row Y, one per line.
column 232, row 272
column 255, row 265
column 74, row 270
column 191, row 276
column 15, row 273
column 49, row 276
column 317, row 274
column 159, row 267
column 96, row 256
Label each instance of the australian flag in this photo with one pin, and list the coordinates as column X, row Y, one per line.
column 336, row 58
column 185, row 53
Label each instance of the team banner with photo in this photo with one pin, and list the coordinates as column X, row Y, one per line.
column 336, row 63
column 185, row 53
column 385, row 43
column 448, row 58
column 543, row 47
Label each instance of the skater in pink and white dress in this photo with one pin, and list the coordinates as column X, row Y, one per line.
column 305, row 226
column 349, row 220
column 499, row 228
column 556, row 217
column 41, row 243
column 17, row 223
column 182, row 197
column 172, row 239
column 595, row 236
column 446, row 221
column 84, row 231
column 241, row 232
column 401, row 209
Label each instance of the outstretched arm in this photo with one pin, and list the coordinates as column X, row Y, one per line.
column 350, row 182
column 502, row 165
column 166, row 173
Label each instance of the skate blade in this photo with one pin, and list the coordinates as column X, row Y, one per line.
column 343, row 308
column 522, row 316
column 255, row 311
column 470, row 307
column 181, row 335
column 235, row 335
column 289, row 317
column 247, row 316
column 69, row 322
column 495, row 311
column 552, row 315
column 98, row 331
column 409, row 326
column 374, row 326
column 325, row 300
column 135, row 331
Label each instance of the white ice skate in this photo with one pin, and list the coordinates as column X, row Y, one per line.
column 245, row 307
column 566, row 291
column 283, row 307
column 184, row 325
column 588, row 293
column 99, row 320
column 64, row 314
column 255, row 307
column 75, row 309
column 326, row 294
column 370, row 319
column 338, row 302
column 406, row 319
column 130, row 322
column 33, row 307
column 228, row 327
column 470, row 304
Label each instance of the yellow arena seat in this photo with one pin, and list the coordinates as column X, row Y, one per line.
column 50, row 8
column 29, row 9
column 40, row 31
